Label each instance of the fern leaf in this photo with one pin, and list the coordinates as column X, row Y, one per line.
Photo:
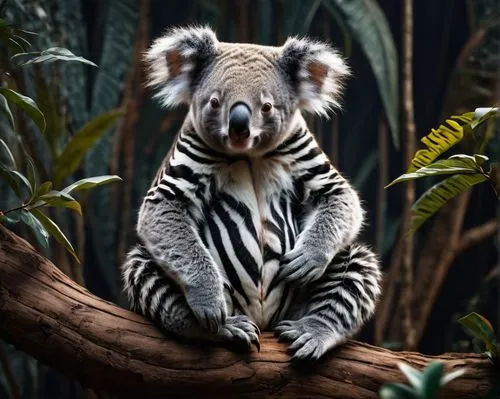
column 441, row 140
column 439, row 194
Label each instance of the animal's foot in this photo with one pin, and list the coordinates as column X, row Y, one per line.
column 241, row 332
column 309, row 338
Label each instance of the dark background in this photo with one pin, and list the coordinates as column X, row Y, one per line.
column 456, row 58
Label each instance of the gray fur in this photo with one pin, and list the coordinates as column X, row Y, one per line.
column 261, row 233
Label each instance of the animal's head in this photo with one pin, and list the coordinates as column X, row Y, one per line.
column 244, row 97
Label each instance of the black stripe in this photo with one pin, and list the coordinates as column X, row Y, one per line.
column 243, row 211
column 159, row 283
column 299, row 148
column 280, row 232
column 327, row 309
column 285, row 206
column 314, row 152
column 193, row 156
column 226, row 262
column 157, row 315
column 245, row 258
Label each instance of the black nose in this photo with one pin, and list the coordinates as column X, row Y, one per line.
column 239, row 121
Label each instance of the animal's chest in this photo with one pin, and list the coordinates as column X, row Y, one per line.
column 250, row 221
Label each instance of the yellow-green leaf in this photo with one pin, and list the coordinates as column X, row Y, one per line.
column 91, row 182
column 27, row 104
column 479, row 327
column 456, row 164
column 74, row 152
column 54, row 230
column 61, row 200
column 439, row 194
column 440, row 140
column 43, row 189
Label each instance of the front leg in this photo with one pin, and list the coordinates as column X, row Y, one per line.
column 169, row 235
column 335, row 307
column 333, row 222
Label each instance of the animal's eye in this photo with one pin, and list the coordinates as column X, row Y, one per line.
column 214, row 103
column 266, row 107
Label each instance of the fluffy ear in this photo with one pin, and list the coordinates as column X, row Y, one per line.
column 316, row 71
column 176, row 59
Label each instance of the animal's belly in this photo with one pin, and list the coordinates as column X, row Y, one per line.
column 247, row 246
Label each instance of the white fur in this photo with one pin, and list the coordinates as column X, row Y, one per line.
column 322, row 99
column 176, row 90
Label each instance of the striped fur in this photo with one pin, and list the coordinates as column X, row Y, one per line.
column 232, row 242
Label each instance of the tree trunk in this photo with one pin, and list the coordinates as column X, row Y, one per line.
column 50, row 317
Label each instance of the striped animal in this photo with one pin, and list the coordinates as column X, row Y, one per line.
column 247, row 225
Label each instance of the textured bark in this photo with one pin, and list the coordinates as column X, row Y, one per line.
column 409, row 190
column 46, row 314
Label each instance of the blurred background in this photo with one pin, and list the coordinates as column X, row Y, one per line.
column 455, row 64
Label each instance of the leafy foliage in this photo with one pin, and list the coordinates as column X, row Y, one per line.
column 481, row 329
column 50, row 55
column 26, row 185
column 466, row 170
column 370, row 28
column 424, row 385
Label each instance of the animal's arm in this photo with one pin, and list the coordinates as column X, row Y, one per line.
column 169, row 234
column 332, row 220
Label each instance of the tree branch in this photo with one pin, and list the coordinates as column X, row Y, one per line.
column 477, row 234
column 50, row 317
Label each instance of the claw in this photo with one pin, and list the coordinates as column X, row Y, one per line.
column 257, row 344
column 229, row 287
column 256, row 328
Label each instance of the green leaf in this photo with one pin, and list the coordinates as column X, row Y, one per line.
column 54, row 231
column 91, row 182
column 447, row 135
column 71, row 157
column 40, row 232
column 451, row 376
column 43, row 189
column 16, row 180
column 439, row 194
column 414, row 376
column 32, row 177
column 456, row 164
column 8, row 152
column 479, row 327
column 60, row 200
column 4, row 107
column 431, row 380
column 397, row 391
column 27, row 104
column 53, row 54
column 370, row 28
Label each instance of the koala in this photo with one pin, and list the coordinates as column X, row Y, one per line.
column 247, row 224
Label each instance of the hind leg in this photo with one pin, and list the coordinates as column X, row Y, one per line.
column 334, row 307
column 155, row 296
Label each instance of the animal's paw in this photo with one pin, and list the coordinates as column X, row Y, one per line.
column 303, row 264
column 208, row 306
column 241, row 332
column 309, row 338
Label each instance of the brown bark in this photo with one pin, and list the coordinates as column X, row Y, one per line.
column 409, row 192
column 47, row 315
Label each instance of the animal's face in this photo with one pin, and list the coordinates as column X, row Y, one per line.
column 243, row 98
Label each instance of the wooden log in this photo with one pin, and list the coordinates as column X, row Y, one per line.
column 46, row 314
